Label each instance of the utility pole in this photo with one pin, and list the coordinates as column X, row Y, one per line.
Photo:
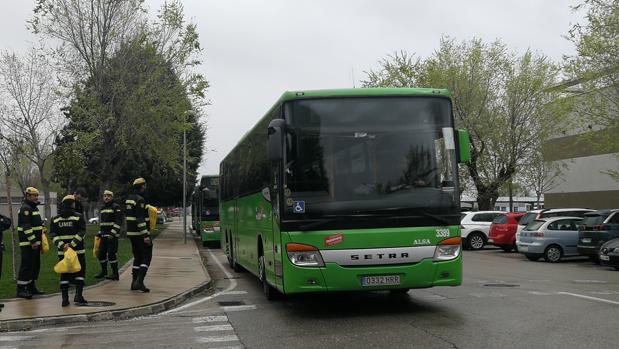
column 185, row 180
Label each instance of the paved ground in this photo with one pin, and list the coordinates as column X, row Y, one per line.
column 176, row 267
column 505, row 302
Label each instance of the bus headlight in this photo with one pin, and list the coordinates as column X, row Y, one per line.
column 304, row 255
column 448, row 249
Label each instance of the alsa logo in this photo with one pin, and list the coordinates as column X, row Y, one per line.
column 334, row 239
column 356, row 257
column 421, row 242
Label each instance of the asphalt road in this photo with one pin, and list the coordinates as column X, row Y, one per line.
column 506, row 301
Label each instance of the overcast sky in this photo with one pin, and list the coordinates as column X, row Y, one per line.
column 256, row 50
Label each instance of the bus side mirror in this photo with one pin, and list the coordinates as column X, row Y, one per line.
column 275, row 140
column 464, row 147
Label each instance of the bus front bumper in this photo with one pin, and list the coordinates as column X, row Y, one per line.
column 335, row 278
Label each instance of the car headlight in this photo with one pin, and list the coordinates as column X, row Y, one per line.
column 304, row 255
column 448, row 249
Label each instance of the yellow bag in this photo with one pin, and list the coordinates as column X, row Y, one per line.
column 69, row 264
column 44, row 243
column 95, row 246
column 152, row 217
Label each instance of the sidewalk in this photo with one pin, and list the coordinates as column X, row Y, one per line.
column 176, row 273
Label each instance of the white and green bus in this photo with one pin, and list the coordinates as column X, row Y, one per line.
column 347, row 190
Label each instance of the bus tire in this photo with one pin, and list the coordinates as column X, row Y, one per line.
column 269, row 292
column 233, row 264
column 399, row 291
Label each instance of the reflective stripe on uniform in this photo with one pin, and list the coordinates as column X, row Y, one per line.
column 37, row 228
column 135, row 233
column 106, row 224
column 36, row 213
column 31, row 237
column 116, row 226
column 107, row 211
column 61, row 253
column 70, row 218
column 79, row 237
column 131, row 218
column 24, row 244
column 62, row 237
column 132, row 202
column 140, row 225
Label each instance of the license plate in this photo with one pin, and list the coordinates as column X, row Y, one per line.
column 586, row 240
column 523, row 248
column 380, row 280
column 604, row 258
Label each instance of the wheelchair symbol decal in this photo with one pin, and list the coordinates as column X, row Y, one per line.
column 298, row 207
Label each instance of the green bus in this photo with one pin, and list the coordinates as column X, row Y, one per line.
column 347, row 190
column 205, row 210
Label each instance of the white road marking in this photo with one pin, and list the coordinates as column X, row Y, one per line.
column 218, row 339
column 239, row 308
column 488, row 295
column 232, row 286
column 538, row 293
column 215, row 318
column 590, row 298
column 213, row 328
column 232, row 347
column 14, row 338
column 234, row 293
column 6, row 347
column 591, row 281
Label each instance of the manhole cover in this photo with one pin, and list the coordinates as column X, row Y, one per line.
column 501, row 285
column 230, row 303
column 95, row 304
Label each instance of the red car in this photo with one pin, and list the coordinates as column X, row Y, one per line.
column 503, row 230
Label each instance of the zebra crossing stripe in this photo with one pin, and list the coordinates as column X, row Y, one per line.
column 218, row 339
column 239, row 307
column 14, row 338
column 226, row 327
column 216, row 318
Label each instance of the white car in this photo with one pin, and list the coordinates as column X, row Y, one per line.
column 94, row 220
column 474, row 228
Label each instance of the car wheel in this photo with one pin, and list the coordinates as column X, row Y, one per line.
column 506, row 248
column 476, row 241
column 595, row 259
column 514, row 246
column 553, row 254
column 616, row 268
column 532, row 257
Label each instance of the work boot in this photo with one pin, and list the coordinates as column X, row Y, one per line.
column 33, row 289
column 114, row 275
column 23, row 292
column 134, row 281
column 65, row 296
column 140, row 282
column 78, row 294
column 103, row 272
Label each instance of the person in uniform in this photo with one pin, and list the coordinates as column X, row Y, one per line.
column 5, row 223
column 29, row 229
column 78, row 195
column 68, row 230
column 110, row 219
column 136, row 216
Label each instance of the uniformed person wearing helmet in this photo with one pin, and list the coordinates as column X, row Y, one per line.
column 68, row 230
column 110, row 220
column 29, row 229
column 136, row 216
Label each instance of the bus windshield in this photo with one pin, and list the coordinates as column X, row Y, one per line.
column 389, row 156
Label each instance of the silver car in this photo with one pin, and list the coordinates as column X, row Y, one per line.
column 551, row 238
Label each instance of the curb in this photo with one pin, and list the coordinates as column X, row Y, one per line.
column 116, row 314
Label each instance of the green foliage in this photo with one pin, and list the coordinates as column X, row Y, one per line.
column 595, row 69
column 501, row 98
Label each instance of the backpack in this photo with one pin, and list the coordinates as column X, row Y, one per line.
column 5, row 223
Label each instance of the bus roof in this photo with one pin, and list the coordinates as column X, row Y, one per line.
column 348, row 92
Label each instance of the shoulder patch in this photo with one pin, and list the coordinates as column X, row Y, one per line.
column 26, row 212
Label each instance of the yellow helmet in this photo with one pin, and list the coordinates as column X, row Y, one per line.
column 68, row 197
column 107, row 192
column 139, row 181
column 32, row 191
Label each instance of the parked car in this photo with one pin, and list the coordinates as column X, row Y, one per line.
column 503, row 230
column 94, row 220
column 597, row 228
column 552, row 238
column 609, row 253
column 474, row 228
column 550, row 212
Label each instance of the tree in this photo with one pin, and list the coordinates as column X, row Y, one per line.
column 499, row 97
column 540, row 175
column 596, row 69
column 134, row 129
column 29, row 110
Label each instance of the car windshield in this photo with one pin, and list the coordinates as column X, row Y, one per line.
column 383, row 156
column 527, row 218
column 535, row 225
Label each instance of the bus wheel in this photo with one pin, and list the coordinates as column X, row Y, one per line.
column 399, row 291
column 233, row 264
column 269, row 292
